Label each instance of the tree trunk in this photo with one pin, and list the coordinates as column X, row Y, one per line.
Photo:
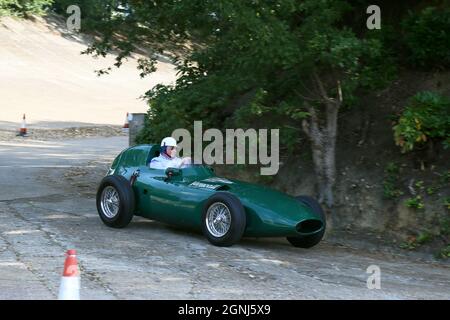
column 330, row 153
column 323, row 152
column 319, row 168
column 323, row 142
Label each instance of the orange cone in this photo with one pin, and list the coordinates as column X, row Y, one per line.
column 126, row 126
column 70, row 281
column 23, row 127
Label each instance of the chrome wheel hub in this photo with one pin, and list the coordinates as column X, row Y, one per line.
column 110, row 202
column 218, row 219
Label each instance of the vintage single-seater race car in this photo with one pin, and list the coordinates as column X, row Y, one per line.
column 225, row 210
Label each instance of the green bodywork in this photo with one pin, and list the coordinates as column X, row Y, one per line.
column 180, row 199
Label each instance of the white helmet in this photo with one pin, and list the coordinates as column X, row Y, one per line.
column 168, row 142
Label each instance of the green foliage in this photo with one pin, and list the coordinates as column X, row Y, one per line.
column 424, row 237
column 379, row 60
column 427, row 38
column 192, row 100
column 93, row 12
column 414, row 242
column 23, row 8
column 445, row 178
column 392, row 168
column 427, row 116
column 420, row 185
column 408, row 245
column 249, row 59
column 444, row 232
column 444, row 252
column 415, row 202
column 431, row 190
column 445, row 227
column 446, row 202
column 390, row 189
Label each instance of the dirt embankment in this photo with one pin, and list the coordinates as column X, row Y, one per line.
column 367, row 158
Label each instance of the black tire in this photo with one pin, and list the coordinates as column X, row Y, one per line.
column 238, row 219
column 310, row 240
column 126, row 201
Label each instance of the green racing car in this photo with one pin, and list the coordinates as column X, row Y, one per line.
column 225, row 210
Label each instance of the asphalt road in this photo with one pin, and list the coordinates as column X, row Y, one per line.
column 47, row 206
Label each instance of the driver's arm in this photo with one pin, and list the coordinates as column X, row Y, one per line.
column 185, row 162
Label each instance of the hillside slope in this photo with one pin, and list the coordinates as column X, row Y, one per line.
column 366, row 154
column 43, row 74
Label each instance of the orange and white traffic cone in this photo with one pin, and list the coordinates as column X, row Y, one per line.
column 70, row 281
column 126, row 126
column 23, row 127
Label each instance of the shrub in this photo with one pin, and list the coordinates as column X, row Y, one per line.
column 23, row 7
column 446, row 202
column 427, row 38
column 390, row 189
column 414, row 242
column 426, row 117
column 415, row 203
column 444, row 252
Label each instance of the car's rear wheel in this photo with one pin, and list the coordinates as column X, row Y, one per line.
column 115, row 201
column 313, row 239
column 223, row 219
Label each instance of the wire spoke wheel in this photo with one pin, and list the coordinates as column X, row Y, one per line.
column 110, row 202
column 218, row 219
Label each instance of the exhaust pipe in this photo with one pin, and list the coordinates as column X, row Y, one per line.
column 309, row 226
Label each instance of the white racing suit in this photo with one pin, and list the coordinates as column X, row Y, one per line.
column 164, row 162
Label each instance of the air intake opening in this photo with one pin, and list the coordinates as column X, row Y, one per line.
column 309, row 226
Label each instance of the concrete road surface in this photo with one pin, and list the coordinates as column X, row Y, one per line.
column 47, row 206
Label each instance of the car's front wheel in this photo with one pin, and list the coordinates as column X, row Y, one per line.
column 223, row 219
column 115, row 201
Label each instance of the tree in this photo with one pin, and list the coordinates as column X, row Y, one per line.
column 94, row 12
column 295, row 60
column 23, row 7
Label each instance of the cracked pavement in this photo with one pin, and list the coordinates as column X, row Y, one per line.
column 47, row 206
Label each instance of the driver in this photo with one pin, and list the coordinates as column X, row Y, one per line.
column 167, row 157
